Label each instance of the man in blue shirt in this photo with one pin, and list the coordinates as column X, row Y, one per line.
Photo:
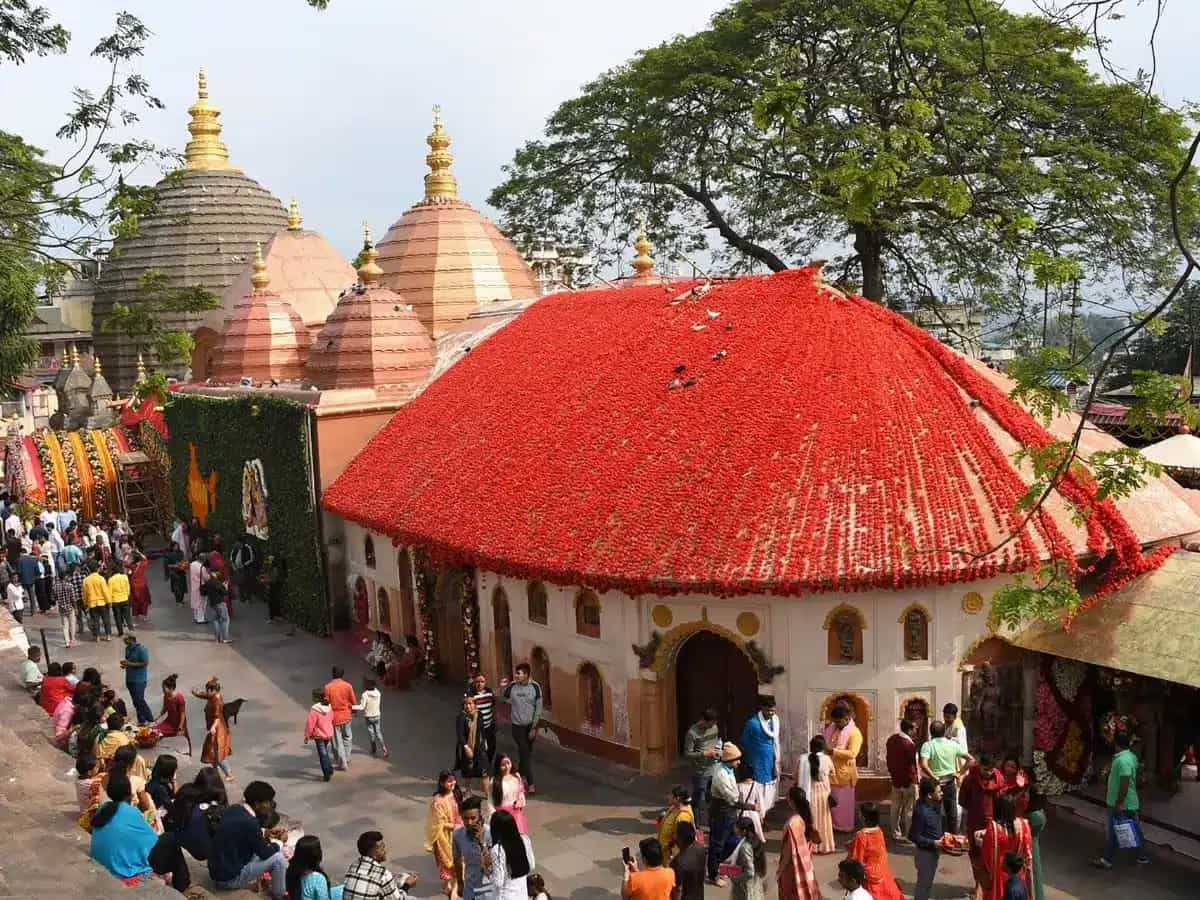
column 926, row 834
column 472, row 848
column 137, row 672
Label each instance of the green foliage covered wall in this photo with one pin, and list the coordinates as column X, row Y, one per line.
column 228, row 432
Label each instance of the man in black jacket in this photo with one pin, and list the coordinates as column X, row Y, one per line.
column 241, row 854
column 926, row 833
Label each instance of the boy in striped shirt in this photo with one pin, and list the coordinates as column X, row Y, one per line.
column 485, row 702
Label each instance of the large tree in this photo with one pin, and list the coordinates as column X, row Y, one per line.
column 944, row 147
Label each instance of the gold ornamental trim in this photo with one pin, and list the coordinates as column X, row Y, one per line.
column 674, row 639
column 833, row 614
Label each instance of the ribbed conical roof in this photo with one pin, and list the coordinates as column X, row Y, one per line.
column 203, row 231
column 265, row 339
column 444, row 256
column 372, row 339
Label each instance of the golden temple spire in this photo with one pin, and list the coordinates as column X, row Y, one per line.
column 440, row 183
column 295, row 220
column 96, row 365
column 260, row 279
column 205, row 151
column 73, row 356
column 369, row 271
column 141, row 368
column 643, row 263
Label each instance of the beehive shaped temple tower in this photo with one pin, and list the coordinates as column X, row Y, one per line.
column 209, row 217
column 444, row 256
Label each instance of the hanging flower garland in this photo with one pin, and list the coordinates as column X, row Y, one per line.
column 100, row 440
column 424, row 616
column 71, row 464
column 100, row 485
column 469, row 607
column 46, row 464
column 16, row 469
column 1062, row 729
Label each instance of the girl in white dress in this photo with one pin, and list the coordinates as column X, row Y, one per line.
column 512, row 858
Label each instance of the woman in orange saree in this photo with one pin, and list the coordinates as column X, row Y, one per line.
column 869, row 847
column 795, row 874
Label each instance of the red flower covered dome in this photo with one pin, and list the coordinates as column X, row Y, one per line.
column 765, row 434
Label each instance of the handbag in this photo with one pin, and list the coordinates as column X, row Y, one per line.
column 1128, row 832
column 727, row 867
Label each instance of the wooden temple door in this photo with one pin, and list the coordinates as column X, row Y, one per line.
column 711, row 671
column 448, row 626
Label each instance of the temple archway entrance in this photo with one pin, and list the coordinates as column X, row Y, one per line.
column 450, row 632
column 711, row 670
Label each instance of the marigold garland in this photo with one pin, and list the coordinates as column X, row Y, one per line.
column 792, row 441
column 87, row 484
column 100, row 442
column 62, row 478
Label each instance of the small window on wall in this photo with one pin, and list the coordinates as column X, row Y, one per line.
column 845, row 643
column 915, row 623
column 385, row 611
column 535, row 592
column 587, row 614
column 539, row 664
column 369, row 551
column 591, row 695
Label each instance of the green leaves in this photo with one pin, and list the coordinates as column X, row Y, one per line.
column 1049, row 595
column 1159, row 399
column 27, row 30
column 1040, row 381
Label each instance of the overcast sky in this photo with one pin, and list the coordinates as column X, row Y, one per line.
column 334, row 106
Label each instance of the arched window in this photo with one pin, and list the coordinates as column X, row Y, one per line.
column 845, row 625
column 587, row 613
column 535, row 592
column 408, row 613
column 591, row 695
column 502, row 627
column 915, row 622
column 385, row 611
column 362, row 602
column 369, row 551
column 539, row 663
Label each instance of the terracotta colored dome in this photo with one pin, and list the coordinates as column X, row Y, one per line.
column 372, row 338
column 203, row 232
column 758, row 435
column 265, row 339
column 445, row 256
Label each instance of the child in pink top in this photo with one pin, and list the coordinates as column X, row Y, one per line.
column 319, row 729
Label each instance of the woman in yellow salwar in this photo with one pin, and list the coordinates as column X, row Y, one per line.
column 679, row 809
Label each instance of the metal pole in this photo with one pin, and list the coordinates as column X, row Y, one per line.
column 45, row 646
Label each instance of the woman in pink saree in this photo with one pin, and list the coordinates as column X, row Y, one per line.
column 795, row 874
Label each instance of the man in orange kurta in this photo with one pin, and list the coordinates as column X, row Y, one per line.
column 843, row 741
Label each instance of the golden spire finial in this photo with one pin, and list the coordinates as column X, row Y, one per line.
column 295, row 220
column 141, row 368
column 369, row 271
column 205, row 151
column 260, row 279
column 643, row 263
column 440, row 183
column 73, row 356
column 96, row 365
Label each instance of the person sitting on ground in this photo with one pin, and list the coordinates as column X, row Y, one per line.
column 121, row 837
column 88, row 790
column 369, row 879
column 113, row 738
column 31, row 675
column 54, row 687
column 189, row 824
column 537, row 887
column 306, row 880
column 241, row 854
column 127, row 762
column 161, row 786
column 90, row 679
column 64, row 715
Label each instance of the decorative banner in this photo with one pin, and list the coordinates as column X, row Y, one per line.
column 254, row 498
column 59, row 469
column 469, row 606
column 201, row 490
column 110, row 471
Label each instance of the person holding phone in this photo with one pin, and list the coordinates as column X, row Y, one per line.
column 653, row 881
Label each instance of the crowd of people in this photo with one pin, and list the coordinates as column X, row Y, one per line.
column 712, row 832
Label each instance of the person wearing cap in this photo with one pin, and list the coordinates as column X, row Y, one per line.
column 760, row 743
column 723, row 804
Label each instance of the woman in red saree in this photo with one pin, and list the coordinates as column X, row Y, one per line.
column 869, row 847
column 139, row 587
column 1005, row 833
column 172, row 719
column 795, row 874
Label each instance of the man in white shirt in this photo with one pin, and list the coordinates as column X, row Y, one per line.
column 14, row 596
column 13, row 523
column 851, row 875
column 956, row 730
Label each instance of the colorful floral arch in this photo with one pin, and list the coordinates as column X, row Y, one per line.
column 68, row 469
